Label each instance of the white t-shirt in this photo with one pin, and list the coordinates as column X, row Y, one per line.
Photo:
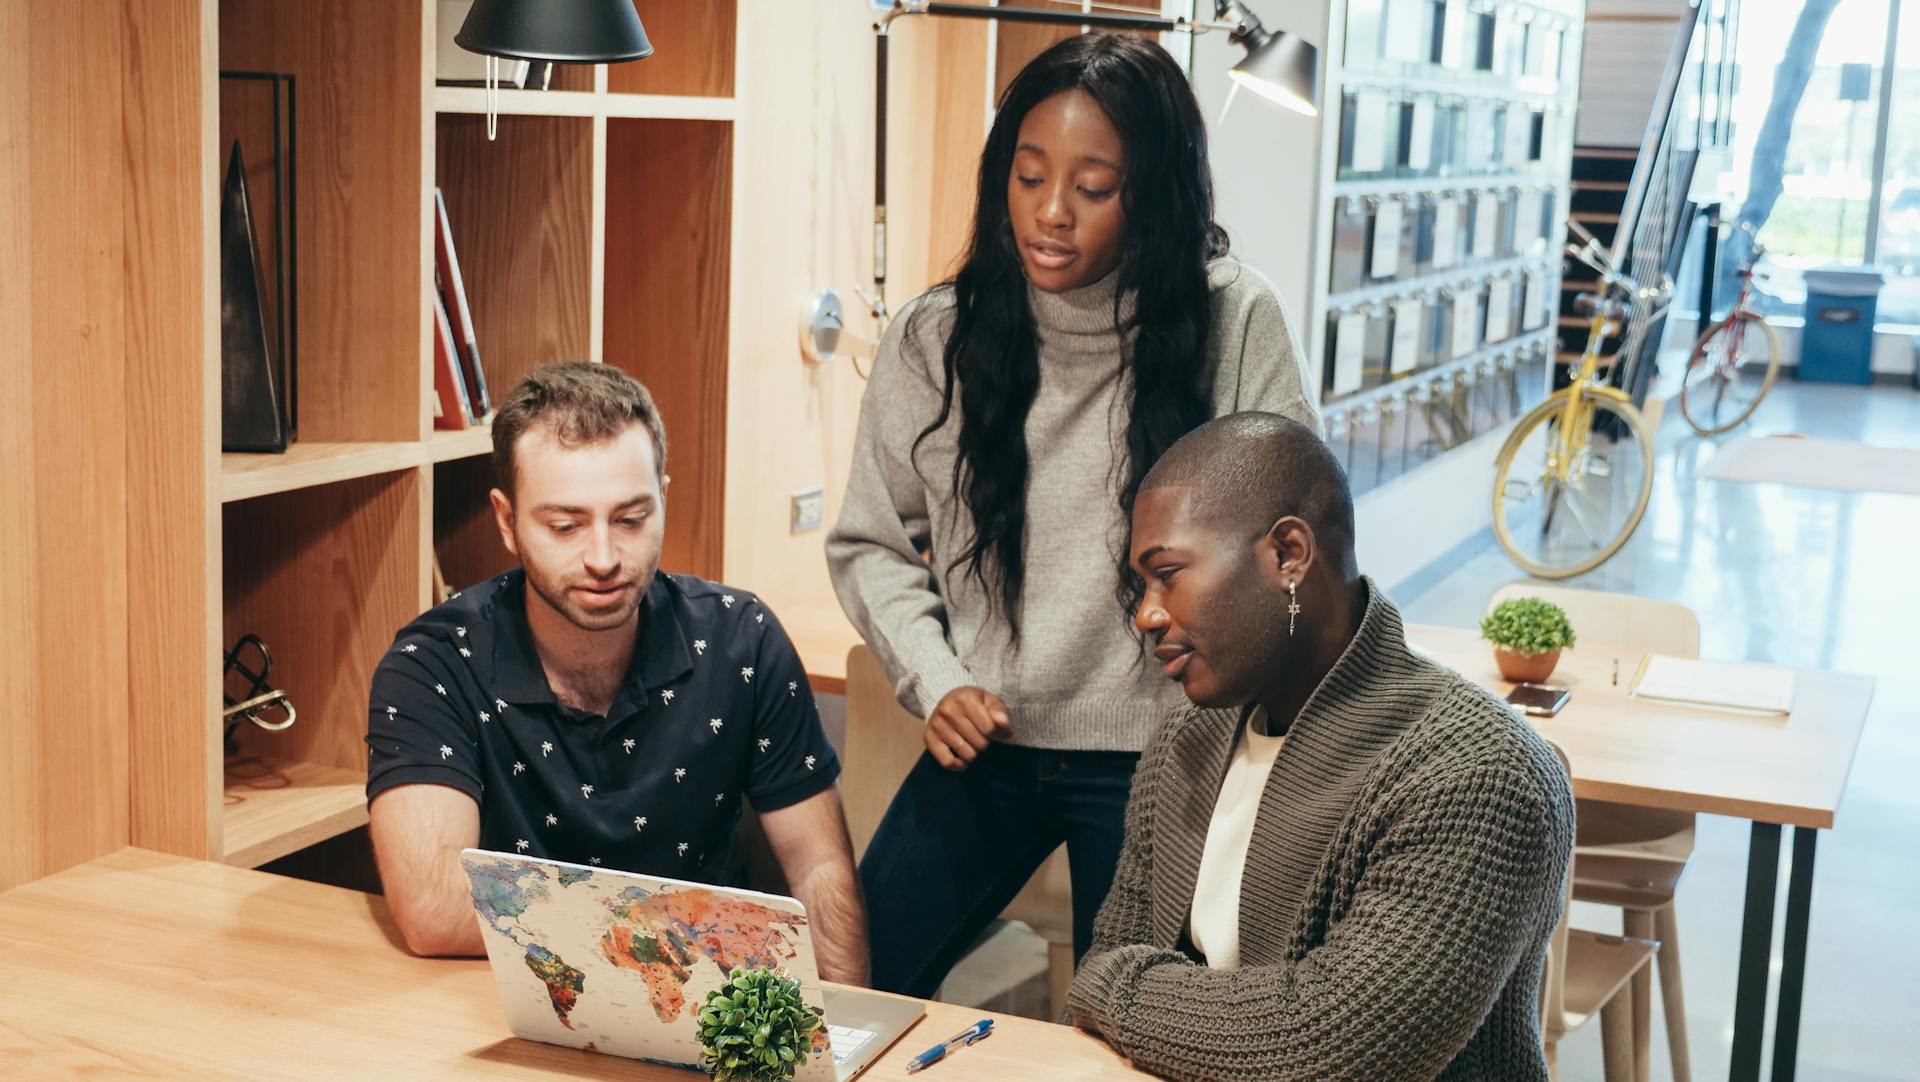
column 1214, row 922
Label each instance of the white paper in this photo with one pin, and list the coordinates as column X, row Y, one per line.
column 1466, row 323
column 1369, row 133
column 1385, row 259
column 1499, row 309
column 1403, row 31
column 1349, row 350
column 1420, row 142
column 1403, row 354
column 1486, row 221
column 1453, row 53
column 1526, row 219
column 1532, row 308
column 1519, row 148
column 1741, row 686
column 1446, row 234
column 1479, row 134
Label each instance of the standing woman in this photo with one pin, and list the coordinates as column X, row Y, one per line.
column 981, row 550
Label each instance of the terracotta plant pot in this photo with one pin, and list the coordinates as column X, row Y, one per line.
column 1525, row 668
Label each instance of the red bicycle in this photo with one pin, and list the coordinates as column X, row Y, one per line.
column 1733, row 364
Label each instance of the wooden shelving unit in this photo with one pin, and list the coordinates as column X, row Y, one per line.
column 305, row 465
column 275, row 807
column 327, row 550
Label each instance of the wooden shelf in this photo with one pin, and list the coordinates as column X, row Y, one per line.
column 276, row 807
column 243, row 477
column 577, row 103
column 448, row 445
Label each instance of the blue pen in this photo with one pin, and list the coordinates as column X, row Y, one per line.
column 940, row 1051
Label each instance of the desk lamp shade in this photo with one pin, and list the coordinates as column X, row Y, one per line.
column 1281, row 68
column 565, row 31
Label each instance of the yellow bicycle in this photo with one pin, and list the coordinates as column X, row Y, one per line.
column 1572, row 482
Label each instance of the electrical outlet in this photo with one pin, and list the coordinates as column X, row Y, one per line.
column 809, row 506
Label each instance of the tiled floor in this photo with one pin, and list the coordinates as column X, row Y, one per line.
column 1799, row 576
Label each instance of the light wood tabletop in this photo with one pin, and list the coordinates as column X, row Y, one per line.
column 144, row 964
column 1788, row 770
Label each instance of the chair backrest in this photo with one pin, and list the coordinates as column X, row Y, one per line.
column 883, row 742
column 1620, row 620
column 1553, row 981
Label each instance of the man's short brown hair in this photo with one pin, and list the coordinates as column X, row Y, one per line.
column 582, row 404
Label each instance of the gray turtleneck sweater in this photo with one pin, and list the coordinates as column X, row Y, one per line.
column 1078, row 679
column 1399, row 892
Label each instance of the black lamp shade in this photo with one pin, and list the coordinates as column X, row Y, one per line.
column 564, row 31
column 1281, row 68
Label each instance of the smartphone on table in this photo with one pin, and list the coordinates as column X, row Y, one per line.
column 1539, row 700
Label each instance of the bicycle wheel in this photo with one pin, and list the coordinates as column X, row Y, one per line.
column 1556, row 524
column 1732, row 368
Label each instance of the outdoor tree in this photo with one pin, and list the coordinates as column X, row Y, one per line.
column 1765, row 181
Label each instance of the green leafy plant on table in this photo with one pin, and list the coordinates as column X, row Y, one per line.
column 756, row 1028
column 1527, row 634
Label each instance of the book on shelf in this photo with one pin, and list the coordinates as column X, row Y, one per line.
column 251, row 411
column 451, row 393
column 453, row 291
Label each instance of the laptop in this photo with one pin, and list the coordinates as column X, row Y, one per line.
column 621, row 963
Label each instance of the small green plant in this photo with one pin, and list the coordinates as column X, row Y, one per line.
column 756, row 1028
column 1527, row 625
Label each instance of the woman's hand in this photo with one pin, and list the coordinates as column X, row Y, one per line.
column 963, row 722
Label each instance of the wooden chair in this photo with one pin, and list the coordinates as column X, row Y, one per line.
column 1588, row 973
column 1628, row 857
column 882, row 744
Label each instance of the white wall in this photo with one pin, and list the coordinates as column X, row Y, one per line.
column 1266, row 161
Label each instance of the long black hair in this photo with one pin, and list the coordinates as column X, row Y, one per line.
column 992, row 353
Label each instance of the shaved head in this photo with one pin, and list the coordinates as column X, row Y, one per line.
column 1246, row 471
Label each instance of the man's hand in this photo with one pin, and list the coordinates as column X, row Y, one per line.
column 958, row 729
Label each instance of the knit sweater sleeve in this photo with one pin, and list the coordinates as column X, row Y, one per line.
column 873, row 551
column 1126, row 915
column 1452, row 895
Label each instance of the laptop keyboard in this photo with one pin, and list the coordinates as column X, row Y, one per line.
column 846, row 1041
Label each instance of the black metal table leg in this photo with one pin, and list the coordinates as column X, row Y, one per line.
column 1793, row 968
column 1756, row 944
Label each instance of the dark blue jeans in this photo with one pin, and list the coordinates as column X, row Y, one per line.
column 954, row 849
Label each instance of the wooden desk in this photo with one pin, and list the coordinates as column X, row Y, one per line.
column 1789, row 770
column 1771, row 770
column 140, row 963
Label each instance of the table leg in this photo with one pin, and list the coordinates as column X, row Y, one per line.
column 1793, row 969
column 1756, row 944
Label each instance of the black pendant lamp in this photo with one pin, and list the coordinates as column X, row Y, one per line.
column 564, row 31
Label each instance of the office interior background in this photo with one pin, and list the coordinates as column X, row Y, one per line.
column 704, row 219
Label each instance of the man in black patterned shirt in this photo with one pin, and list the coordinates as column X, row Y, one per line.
column 587, row 707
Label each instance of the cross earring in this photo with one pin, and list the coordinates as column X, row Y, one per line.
column 1293, row 604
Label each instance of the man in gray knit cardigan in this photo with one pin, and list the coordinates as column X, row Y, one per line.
column 1342, row 861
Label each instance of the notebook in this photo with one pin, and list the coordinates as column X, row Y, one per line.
column 1755, row 689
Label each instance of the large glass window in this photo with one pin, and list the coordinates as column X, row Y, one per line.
column 1814, row 181
column 1899, row 248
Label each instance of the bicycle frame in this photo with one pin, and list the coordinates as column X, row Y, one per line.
column 1576, row 403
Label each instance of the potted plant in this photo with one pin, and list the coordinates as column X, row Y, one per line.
column 1527, row 634
column 756, row 1028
